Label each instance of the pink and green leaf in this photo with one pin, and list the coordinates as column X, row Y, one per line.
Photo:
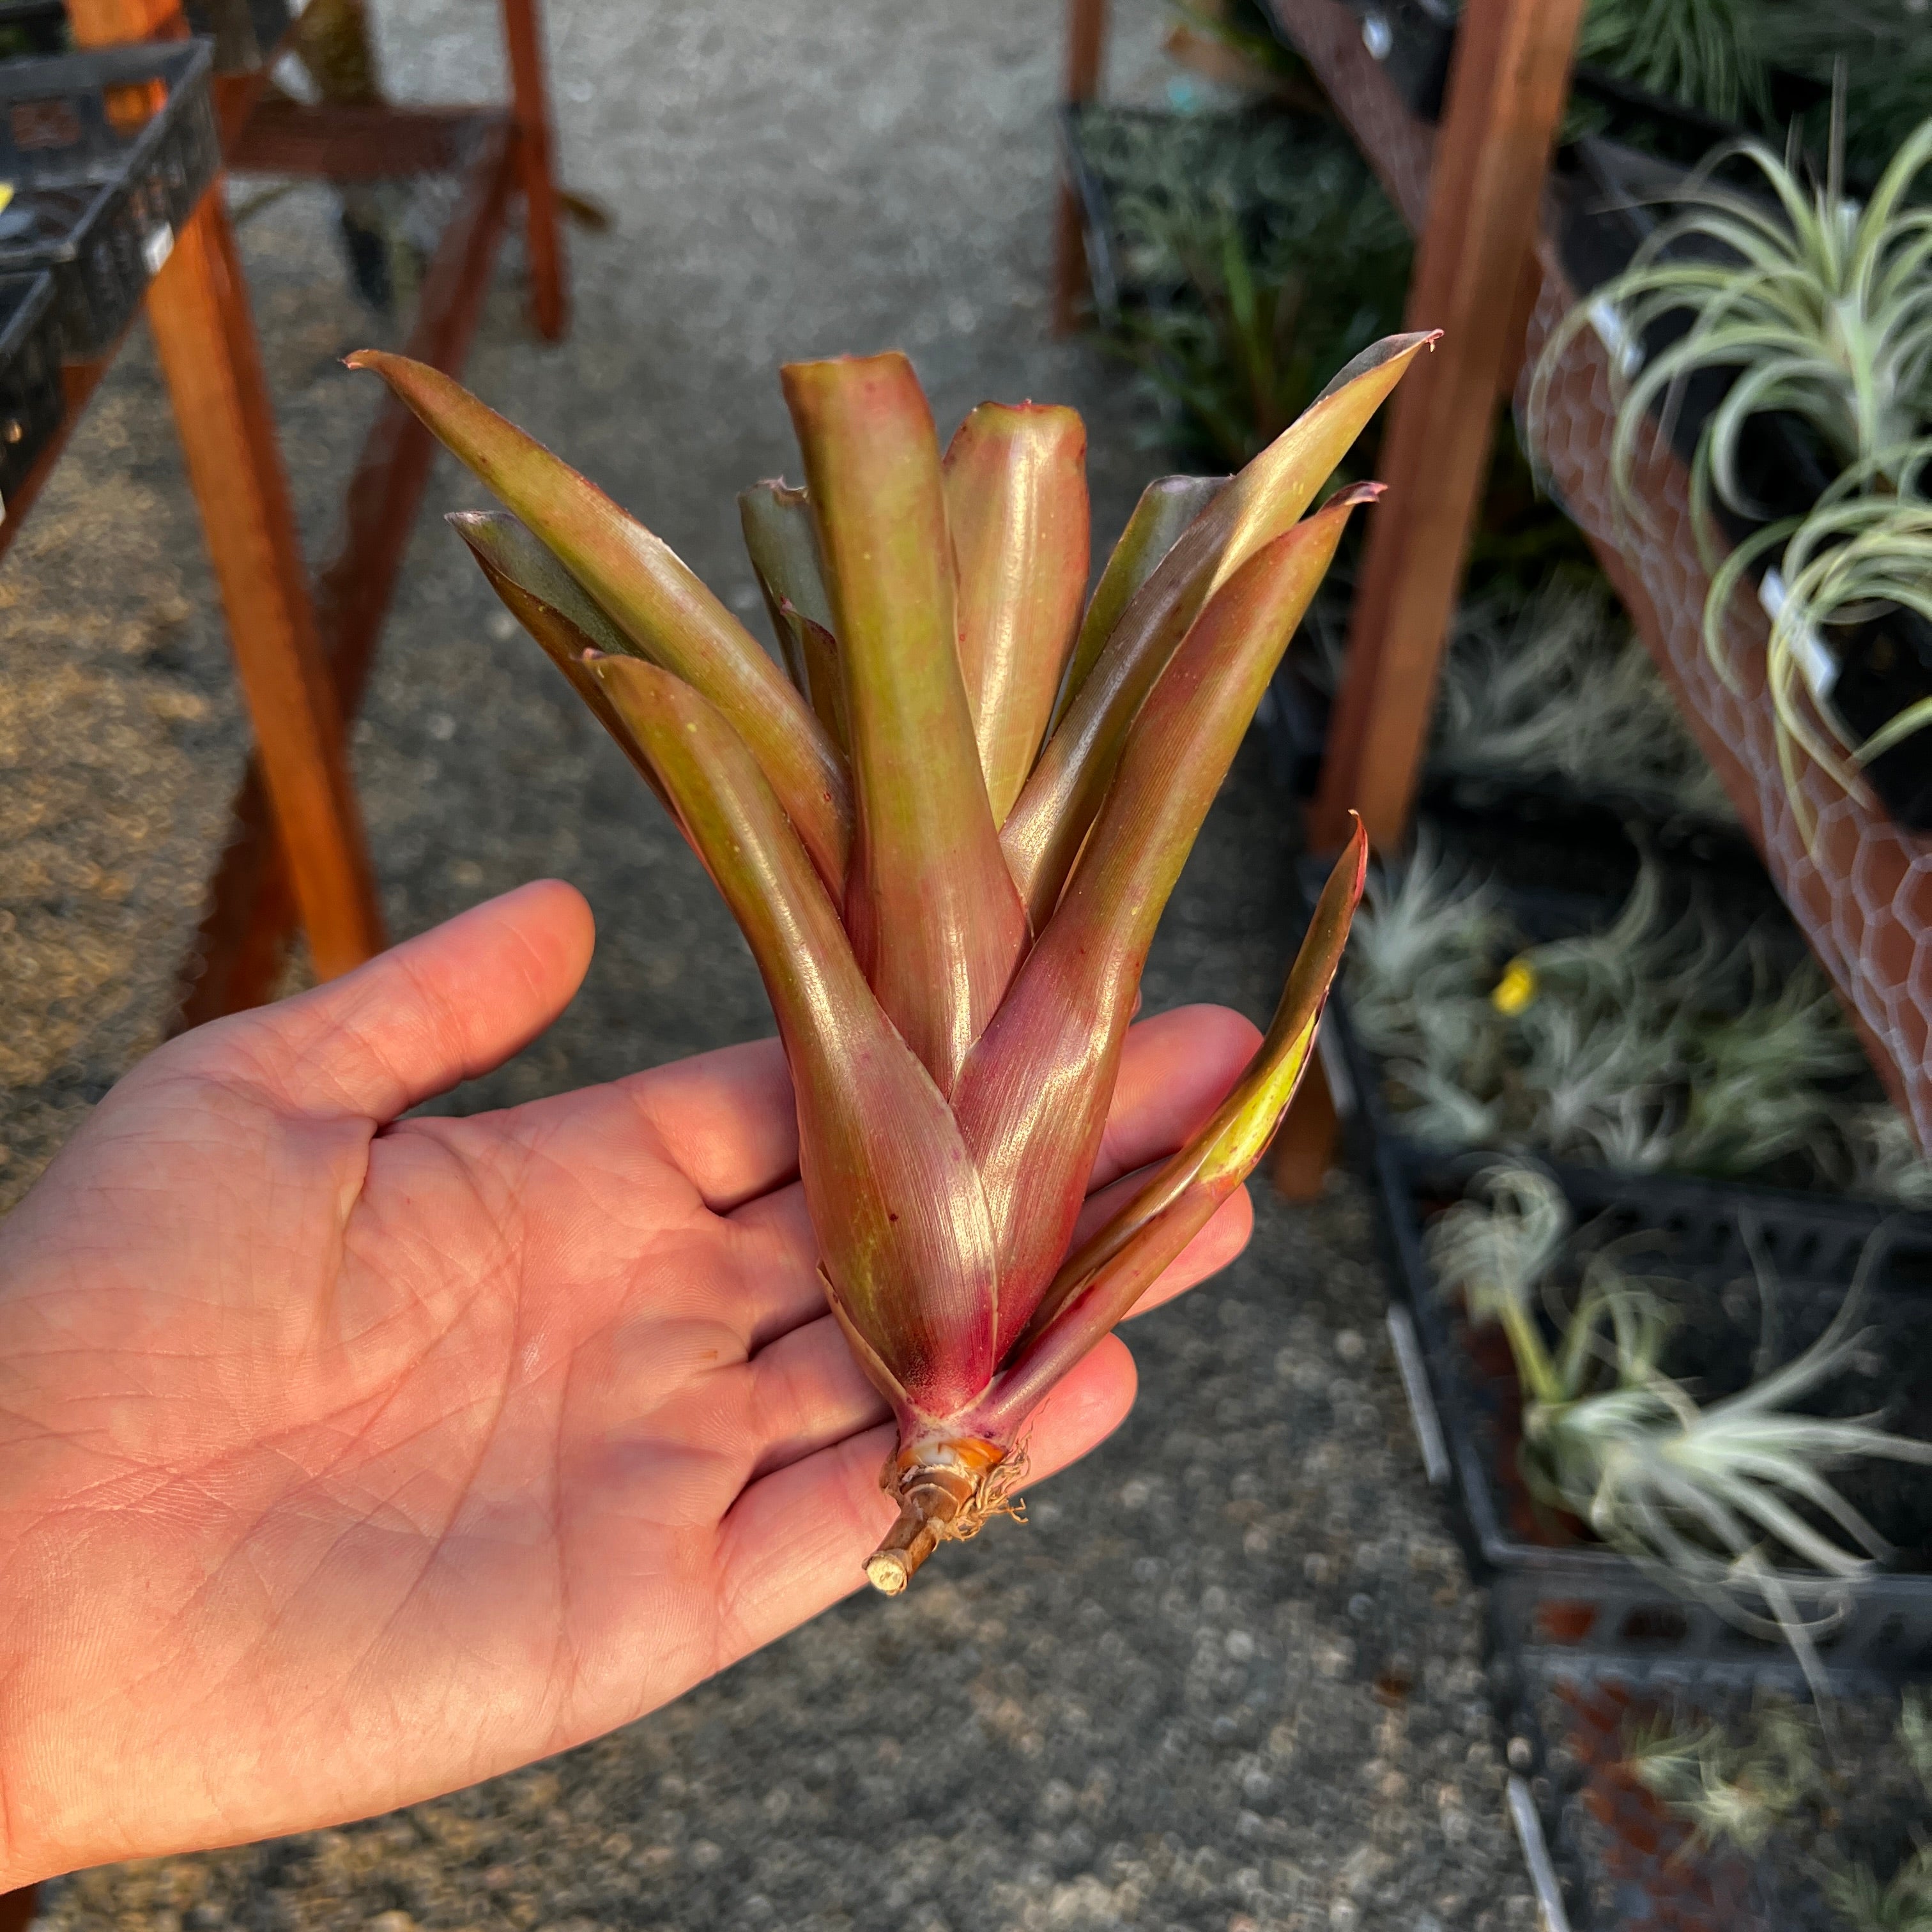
column 933, row 914
column 552, row 607
column 1033, row 1099
column 1043, row 834
column 905, row 1240
column 783, row 547
column 1016, row 505
column 658, row 602
column 1094, row 1289
column 1167, row 506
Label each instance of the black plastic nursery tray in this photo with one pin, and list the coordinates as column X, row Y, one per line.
column 30, row 397
column 1624, row 1860
column 107, row 153
column 1553, row 1590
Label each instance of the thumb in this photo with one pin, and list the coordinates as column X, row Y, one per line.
column 452, row 1002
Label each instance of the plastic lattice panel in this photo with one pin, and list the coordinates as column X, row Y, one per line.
column 1400, row 147
column 1860, row 889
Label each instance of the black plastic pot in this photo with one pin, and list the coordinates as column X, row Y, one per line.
column 30, row 397
column 108, row 152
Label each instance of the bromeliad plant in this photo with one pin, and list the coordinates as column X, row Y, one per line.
column 950, row 905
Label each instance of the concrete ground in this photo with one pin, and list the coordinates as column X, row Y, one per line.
column 1229, row 1676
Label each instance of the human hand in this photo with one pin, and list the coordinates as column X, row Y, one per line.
column 345, row 1460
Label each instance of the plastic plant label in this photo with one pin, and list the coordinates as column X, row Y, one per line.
column 1819, row 668
column 1377, row 37
column 158, row 246
column 1607, row 319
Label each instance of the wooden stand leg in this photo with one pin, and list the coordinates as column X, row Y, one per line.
column 531, row 101
column 197, row 308
column 1506, row 89
column 1086, row 48
column 1304, row 1143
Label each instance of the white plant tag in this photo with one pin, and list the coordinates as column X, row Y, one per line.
column 1816, row 664
column 1376, row 36
column 1607, row 319
column 158, row 246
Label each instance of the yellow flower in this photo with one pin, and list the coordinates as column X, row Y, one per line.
column 1515, row 989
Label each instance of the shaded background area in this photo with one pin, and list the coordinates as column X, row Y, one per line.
column 1229, row 1676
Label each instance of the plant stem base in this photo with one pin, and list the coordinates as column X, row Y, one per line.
column 948, row 1489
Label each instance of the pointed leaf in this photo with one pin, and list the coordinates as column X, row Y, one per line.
column 1167, row 506
column 902, row 1226
column 1032, row 1101
column 932, row 912
column 550, row 603
column 652, row 595
column 1016, row 504
column 783, row 549
column 824, row 680
column 1043, row 833
column 1222, row 1154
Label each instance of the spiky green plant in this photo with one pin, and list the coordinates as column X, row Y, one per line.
column 1879, row 51
column 950, row 915
column 1729, row 1502
column 1706, row 53
column 1255, row 253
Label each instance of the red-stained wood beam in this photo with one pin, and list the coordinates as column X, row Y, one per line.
column 240, row 950
column 1507, row 86
column 197, row 309
column 523, row 42
column 1086, row 54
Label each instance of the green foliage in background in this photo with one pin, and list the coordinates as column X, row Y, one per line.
column 1256, row 254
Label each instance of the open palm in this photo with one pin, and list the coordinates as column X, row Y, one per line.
column 346, row 1459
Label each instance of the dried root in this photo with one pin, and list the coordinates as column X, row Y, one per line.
column 948, row 1489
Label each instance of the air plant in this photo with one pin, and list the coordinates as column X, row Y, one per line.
column 1863, row 549
column 1867, row 1904
column 1732, row 1791
column 950, row 916
column 1821, row 308
column 1902, row 1902
column 1729, row 1503
column 1562, row 686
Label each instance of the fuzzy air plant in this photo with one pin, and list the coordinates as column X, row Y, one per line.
column 1730, row 1502
column 948, row 837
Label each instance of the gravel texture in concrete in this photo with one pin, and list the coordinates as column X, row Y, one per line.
column 1229, row 1675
